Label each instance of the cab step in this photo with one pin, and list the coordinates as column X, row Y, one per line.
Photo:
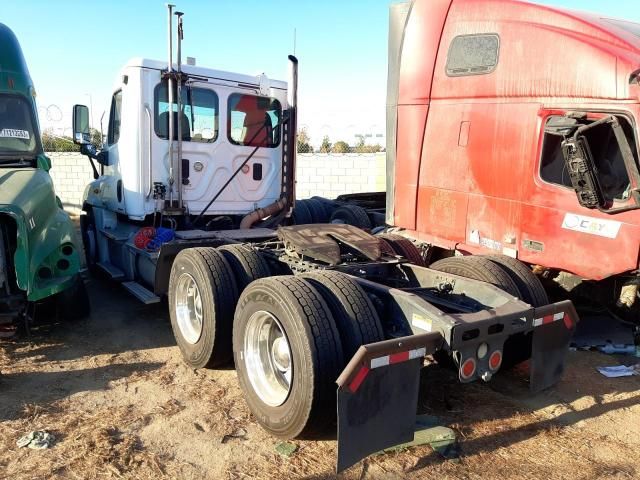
column 114, row 272
column 141, row 293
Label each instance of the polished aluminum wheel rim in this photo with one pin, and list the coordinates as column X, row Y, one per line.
column 188, row 308
column 268, row 359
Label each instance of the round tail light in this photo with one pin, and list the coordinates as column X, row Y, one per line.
column 468, row 368
column 495, row 360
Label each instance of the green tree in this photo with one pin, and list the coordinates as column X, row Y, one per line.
column 361, row 147
column 56, row 143
column 96, row 137
column 325, row 147
column 304, row 142
column 340, row 147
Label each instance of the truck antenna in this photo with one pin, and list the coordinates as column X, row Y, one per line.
column 170, row 8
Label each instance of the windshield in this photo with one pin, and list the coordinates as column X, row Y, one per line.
column 17, row 132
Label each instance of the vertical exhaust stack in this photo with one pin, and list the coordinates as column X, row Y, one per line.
column 292, row 99
column 283, row 206
column 179, row 36
column 170, row 98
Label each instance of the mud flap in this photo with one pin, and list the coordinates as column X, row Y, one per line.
column 554, row 326
column 378, row 394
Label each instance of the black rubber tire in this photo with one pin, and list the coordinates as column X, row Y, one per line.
column 301, row 214
column 318, row 214
column 517, row 348
column 246, row 263
column 405, row 248
column 355, row 316
column 214, row 278
column 73, row 303
column 477, row 268
column 386, row 248
column 328, row 205
column 529, row 286
column 316, row 353
column 352, row 215
column 88, row 227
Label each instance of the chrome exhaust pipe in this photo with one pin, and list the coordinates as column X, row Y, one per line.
column 170, row 8
column 292, row 100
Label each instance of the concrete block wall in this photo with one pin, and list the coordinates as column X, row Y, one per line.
column 325, row 175
column 329, row 175
column 71, row 172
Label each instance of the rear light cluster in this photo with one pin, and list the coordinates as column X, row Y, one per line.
column 495, row 360
column 469, row 366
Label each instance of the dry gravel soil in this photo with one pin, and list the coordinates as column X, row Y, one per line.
column 121, row 404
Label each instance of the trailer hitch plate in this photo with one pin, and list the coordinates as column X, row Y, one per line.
column 378, row 394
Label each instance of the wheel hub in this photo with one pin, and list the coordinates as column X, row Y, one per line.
column 188, row 308
column 268, row 358
column 280, row 354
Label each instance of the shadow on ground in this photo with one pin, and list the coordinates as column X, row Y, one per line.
column 18, row 389
column 118, row 323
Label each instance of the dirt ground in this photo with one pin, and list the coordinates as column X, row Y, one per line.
column 121, row 404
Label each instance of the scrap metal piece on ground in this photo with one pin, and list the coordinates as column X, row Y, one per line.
column 37, row 440
column 429, row 431
column 286, row 449
column 620, row 371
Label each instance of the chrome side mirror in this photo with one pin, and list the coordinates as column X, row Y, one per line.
column 81, row 133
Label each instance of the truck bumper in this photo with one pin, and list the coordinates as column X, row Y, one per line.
column 378, row 390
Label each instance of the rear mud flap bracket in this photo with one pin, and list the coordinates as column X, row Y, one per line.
column 554, row 326
column 378, row 394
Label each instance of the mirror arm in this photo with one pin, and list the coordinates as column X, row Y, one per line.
column 89, row 151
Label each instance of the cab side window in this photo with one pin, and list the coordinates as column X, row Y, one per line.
column 199, row 116
column 254, row 121
column 473, row 55
column 115, row 118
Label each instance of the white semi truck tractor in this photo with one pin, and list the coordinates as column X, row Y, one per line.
column 193, row 199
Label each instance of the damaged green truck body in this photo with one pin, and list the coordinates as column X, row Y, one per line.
column 39, row 258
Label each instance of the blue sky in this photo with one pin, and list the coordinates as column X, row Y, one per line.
column 75, row 49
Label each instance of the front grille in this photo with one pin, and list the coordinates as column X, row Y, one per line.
column 8, row 244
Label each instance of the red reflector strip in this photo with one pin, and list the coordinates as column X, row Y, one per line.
column 359, row 378
column 398, row 357
column 548, row 319
column 568, row 322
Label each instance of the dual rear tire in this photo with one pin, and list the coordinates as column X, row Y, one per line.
column 312, row 325
column 510, row 275
column 290, row 336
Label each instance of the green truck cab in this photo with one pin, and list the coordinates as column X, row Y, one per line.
column 39, row 255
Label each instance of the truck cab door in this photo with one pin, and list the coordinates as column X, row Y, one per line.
column 583, row 214
column 111, row 189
